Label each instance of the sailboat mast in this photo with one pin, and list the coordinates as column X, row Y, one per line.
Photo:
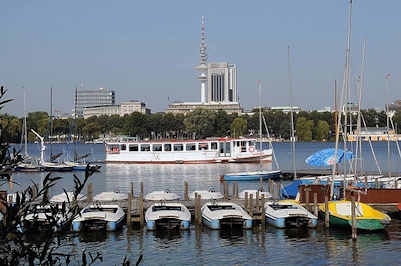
column 361, row 79
column 51, row 122
column 25, row 126
column 260, row 120
column 343, row 93
column 75, row 125
column 335, row 105
column 388, row 124
column 292, row 114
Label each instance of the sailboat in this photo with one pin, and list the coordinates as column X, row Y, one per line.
column 260, row 174
column 28, row 164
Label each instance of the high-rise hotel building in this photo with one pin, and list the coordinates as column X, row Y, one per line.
column 222, row 82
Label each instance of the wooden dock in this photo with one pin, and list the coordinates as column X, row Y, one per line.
column 135, row 207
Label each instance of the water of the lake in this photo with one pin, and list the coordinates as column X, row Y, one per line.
column 208, row 247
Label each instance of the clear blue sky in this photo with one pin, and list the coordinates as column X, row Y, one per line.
column 146, row 50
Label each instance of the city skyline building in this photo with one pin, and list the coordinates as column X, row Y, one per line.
column 222, row 82
column 88, row 98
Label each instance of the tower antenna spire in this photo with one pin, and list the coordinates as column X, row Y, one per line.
column 203, row 68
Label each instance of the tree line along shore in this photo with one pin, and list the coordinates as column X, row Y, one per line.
column 309, row 126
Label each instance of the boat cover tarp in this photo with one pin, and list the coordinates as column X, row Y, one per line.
column 326, row 157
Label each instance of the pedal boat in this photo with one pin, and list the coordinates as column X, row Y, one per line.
column 99, row 217
column 167, row 215
column 288, row 213
column 217, row 215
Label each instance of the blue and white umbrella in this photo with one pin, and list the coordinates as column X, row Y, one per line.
column 326, row 157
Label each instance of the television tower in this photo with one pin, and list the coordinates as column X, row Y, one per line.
column 202, row 68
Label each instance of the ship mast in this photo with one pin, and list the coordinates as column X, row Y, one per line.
column 291, row 113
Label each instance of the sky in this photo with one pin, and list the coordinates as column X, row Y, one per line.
column 147, row 50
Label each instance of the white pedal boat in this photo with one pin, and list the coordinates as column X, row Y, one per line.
column 42, row 217
column 65, row 197
column 206, row 194
column 96, row 217
column 216, row 215
column 253, row 192
column 161, row 195
column 287, row 213
column 110, row 196
column 167, row 215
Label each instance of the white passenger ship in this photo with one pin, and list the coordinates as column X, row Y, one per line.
column 222, row 150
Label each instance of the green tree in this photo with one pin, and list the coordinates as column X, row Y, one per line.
column 322, row 130
column 304, row 129
column 239, row 127
column 200, row 122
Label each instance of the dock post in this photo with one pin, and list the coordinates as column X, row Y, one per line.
column 279, row 190
column 141, row 195
column 326, row 211
column 353, row 212
column 236, row 189
column 343, row 190
column 316, row 210
column 90, row 192
column 307, row 189
column 141, row 220
column 257, row 202
column 246, row 201
column 129, row 209
column 186, row 191
column 199, row 209
column 260, row 184
column 225, row 189
column 132, row 189
column 263, row 215
column 251, row 205
column 196, row 208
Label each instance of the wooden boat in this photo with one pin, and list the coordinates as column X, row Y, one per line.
column 99, row 217
column 161, row 195
column 249, row 176
column 216, row 215
column 367, row 218
column 167, row 215
column 288, row 213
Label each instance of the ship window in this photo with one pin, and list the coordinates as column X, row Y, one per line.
column 202, row 146
column 133, row 147
column 123, row 147
column 156, row 147
column 167, row 147
column 178, row 147
column 213, row 146
column 190, row 147
column 145, row 147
